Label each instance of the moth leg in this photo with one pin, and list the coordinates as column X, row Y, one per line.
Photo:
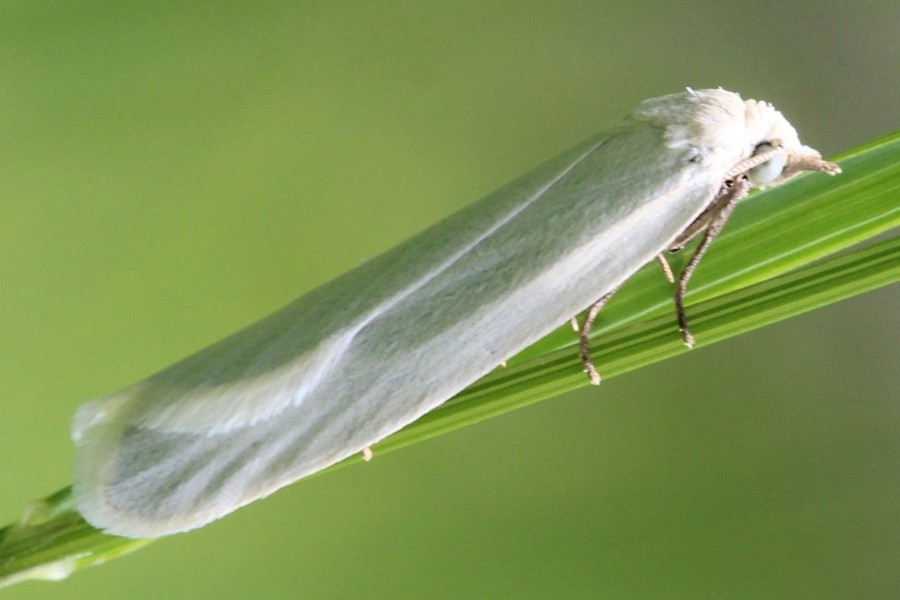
column 584, row 334
column 584, row 331
column 667, row 270
column 719, row 212
column 712, row 220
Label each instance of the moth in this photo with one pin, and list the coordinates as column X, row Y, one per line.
column 357, row 359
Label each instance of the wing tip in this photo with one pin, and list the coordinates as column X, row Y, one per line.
column 97, row 441
column 93, row 501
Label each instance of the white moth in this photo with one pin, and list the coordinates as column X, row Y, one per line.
column 355, row 360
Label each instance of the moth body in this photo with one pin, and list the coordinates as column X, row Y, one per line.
column 357, row 359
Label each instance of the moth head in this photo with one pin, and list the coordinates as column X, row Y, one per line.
column 748, row 138
column 777, row 154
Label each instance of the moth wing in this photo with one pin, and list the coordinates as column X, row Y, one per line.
column 356, row 360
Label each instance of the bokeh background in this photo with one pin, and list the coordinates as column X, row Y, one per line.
column 172, row 171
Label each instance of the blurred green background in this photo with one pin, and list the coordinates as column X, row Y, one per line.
column 171, row 171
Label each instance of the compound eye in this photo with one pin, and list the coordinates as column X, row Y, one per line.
column 770, row 170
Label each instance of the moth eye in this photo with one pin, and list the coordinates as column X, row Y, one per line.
column 768, row 171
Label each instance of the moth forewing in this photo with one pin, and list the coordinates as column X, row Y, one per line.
column 355, row 360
